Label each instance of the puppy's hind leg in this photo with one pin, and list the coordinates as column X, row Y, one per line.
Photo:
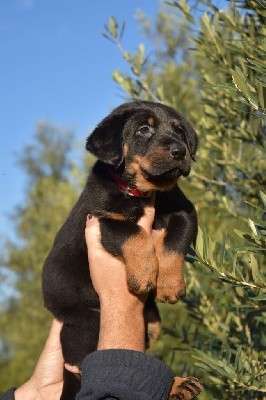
column 71, row 386
column 152, row 321
column 80, row 337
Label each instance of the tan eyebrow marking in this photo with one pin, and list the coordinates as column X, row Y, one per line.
column 126, row 149
column 176, row 123
column 151, row 121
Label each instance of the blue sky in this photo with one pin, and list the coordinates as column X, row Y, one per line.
column 56, row 66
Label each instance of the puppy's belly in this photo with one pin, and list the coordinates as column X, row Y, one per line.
column 67, row 289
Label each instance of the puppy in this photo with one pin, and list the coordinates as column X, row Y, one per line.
column 142, row 148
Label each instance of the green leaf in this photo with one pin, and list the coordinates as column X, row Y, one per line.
column 127, row 56
column 239, row 233
column 260, row 64
column 113, row 26
column 199, row 243
column 139, row 59
column 262, row 12
column 253, row 227
column 240, row 83
column 262, row 95
column 255, row 271
column 183, row 6
column 260, row 298
column 254, row 206
column 117, row 76
column 222, row 252
column 263, row 198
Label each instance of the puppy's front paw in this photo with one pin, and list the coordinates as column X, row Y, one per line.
column 170, row 283
column 139, row 285
column 185, row 388
column 170, row 294
column 141, row 263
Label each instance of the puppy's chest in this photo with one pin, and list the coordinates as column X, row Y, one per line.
column 131, row 209
column 124, row 208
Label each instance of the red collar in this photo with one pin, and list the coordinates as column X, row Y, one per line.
column 129, row 190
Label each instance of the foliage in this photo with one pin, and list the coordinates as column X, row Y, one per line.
column 235, row 353
column 209, row 64
column 24, row 321
column 217, row 333
column 170, row 81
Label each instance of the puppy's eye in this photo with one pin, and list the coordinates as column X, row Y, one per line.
column 145, row 129
column 179, row 130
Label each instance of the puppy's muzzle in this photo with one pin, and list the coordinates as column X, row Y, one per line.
column 178, row 152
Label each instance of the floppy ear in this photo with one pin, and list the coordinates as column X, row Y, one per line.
column 191, row 139
column 106, row 141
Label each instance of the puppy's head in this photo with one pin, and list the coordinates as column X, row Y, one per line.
column 152, row 144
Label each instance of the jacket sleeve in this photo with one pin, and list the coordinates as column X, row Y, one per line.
column 124, row 375
column 9, row 395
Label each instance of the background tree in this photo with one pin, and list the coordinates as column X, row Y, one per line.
column 50, row 194
column 167, row 74
column 222, row 322
column 209, row 64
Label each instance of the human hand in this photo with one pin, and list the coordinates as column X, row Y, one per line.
column 46, row 382
column 121, row 321
column 108, row 273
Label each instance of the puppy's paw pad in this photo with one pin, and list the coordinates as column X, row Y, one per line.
column 170, row 294
column 187, row 389
column 139, row 287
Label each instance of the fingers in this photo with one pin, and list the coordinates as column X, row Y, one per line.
column 92, row 232
column 93, row 227
column 53, row 340
column 147, row 219
column 49, row 368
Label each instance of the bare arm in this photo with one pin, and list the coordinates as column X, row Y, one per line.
column 122, row 323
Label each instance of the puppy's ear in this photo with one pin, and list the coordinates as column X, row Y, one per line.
column 192, row 140
column 106, row 141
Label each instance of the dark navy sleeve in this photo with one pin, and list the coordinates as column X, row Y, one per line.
column 124, row 375
column 9, row 395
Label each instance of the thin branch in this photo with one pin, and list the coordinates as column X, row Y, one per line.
column 212, row 181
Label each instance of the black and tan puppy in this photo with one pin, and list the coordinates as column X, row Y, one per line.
column 142, row 148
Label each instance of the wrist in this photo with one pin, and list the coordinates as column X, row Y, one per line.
column 122, row 324
column 27, row 391
column 125, row 302
column 121, row 309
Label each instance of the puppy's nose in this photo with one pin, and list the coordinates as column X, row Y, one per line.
column 178, row 152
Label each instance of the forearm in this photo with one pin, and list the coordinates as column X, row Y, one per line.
column 122, row 324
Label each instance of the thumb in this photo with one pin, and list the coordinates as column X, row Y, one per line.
column 92, row 231
column 146, row 221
